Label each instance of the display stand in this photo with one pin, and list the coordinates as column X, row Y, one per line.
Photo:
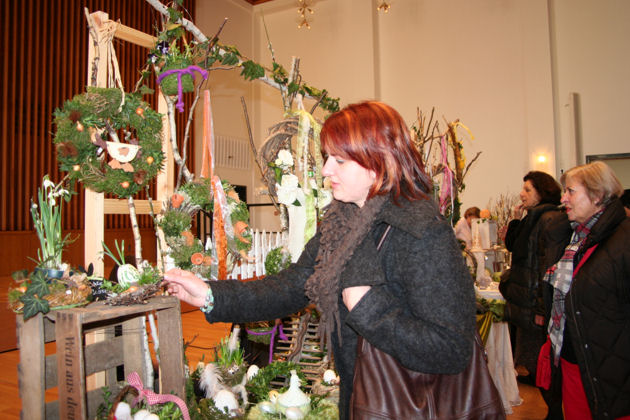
column 96, row 205
column 74, row 360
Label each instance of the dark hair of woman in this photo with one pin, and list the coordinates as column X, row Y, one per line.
column 375, row 136
column 547, row 188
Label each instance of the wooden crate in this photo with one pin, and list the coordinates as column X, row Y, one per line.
column 75, row 360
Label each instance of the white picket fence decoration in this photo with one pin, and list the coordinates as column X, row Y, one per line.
column 262, row 243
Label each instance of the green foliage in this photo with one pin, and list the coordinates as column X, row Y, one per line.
column 497, row 308
column 277, row 260
column 181, row 252
column 149, row 275
column 200, row 193
column 279, row 74
column 252, row 70
column 259, row 386
column 120, row 260
column 98, row 109
column 33, row 298
column 33, row 304
column 174, row 223
column 169, row 83
column 102, row 412
column 226, row 357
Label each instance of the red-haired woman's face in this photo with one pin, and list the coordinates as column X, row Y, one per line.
column 350, row 181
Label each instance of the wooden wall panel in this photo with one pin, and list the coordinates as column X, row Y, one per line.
column 44, row 63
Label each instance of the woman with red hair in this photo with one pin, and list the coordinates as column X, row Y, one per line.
column 410, row 296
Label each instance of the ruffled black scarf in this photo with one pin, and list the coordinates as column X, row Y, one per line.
column 342, row 230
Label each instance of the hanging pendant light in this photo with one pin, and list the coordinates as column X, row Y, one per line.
column 304, row 10
column 384, row 6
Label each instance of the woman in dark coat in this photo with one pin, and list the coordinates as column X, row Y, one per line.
column 536, row 242
column 412, row 299
column 589, row 326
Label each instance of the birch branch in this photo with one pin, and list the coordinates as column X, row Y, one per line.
column 187, row 132
column 173, row 128
column 201, row 38
column 136, row 231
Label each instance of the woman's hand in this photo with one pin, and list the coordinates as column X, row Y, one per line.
column 186, row 286
column 517, row 211
column 352, row 295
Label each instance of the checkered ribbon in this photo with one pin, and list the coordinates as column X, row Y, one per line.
column 152, row 398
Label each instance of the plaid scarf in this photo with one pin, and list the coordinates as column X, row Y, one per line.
column 560, row 276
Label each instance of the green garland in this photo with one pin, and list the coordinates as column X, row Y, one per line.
column 85, row 123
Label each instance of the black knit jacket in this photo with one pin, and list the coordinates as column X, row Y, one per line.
column 420, row 308
column 536, row 242
column 598, row 315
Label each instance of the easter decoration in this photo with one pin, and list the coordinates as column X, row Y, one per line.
column 188, row 252
column 51, row 285
column 224, row 380
column 444, row 161
column 283, row 402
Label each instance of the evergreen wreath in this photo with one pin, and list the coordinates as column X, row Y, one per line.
column 109, row 146
column 187, row 251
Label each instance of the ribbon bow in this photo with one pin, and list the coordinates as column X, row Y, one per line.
column 190, row 70
column 277, row 327
column 152, row 398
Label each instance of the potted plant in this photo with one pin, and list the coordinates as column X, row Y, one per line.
column 46, row 214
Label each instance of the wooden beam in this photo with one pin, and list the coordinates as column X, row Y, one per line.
column 120, row 206
column 135, row 36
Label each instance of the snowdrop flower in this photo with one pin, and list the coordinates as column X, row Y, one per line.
column 48, row 183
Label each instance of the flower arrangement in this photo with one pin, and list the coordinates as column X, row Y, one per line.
column 35, row 293
column 46, row 214
column 501, row 209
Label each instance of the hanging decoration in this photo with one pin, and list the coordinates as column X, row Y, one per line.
column 444, row 161
column 190, row 253
column 108, row 147
column 383, row 6
column 297, row 183
column 304, row 10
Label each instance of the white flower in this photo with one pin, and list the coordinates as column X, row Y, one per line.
column 286, row 195
column 289, row 181
column 289, row 190
column 48, row 183
column 51, row 201
column 285, row 159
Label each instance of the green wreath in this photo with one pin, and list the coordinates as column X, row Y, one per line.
column 187, row 251
column 109, row 147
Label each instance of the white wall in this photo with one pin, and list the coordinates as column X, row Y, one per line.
column 591, row 40
column 505, row 68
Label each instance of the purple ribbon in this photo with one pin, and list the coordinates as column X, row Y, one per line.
column 273, row 336
column 190, row 70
